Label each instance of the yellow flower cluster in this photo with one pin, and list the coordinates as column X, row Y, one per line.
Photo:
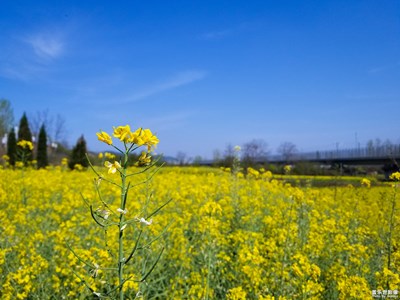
column 366, row 182
column 253, row 172
column 106, row 155
column 144, row 159
column 287, row 169
column 25, row 144
column 64, row 161
column 395, row 176
column 232, row 238
column 138, row 137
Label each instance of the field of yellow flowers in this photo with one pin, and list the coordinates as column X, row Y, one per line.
column 225, row 237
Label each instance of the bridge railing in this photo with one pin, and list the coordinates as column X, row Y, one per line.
column 387, row 151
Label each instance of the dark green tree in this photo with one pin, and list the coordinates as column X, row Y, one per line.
column 12, row 147
column 42, row 160
column 78, row 154
column 24, row 133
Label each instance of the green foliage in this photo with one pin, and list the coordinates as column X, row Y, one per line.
column 24, row 133
column 12, row 147
column 78, row 154
column 308, row 168
column 42, row 160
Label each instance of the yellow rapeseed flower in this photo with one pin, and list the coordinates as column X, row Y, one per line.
column 109, row 155
column 366, row 182
column 287, row 168
column 136, row 137
column 253, row 172
column 78, row 167
column 25, row 144
column 144, row 137
column 112, row 168
column 122, row 132
column 144, row 159
column 64, row 162
column 104, row 137
column 19, row 164
column 395, row 176
column 236, row 293
column 150, row 139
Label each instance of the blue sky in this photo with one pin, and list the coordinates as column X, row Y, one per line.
column 202, row 74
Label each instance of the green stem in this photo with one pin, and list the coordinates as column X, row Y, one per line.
column 124, row 191
column 98, row 174
column 391, row 226
column 208, row 267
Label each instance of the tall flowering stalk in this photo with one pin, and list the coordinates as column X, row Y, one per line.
column 24, row 152
column 131, row 141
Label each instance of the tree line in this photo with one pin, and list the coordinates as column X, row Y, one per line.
column 37, row 132
column 21, row 145
column 249, row 153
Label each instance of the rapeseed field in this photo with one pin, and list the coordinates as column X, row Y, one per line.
column 225, row 237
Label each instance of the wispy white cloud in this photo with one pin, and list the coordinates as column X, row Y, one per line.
column 180, row 79
column 45, row 45
column 20, row 71
column 30, row 56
